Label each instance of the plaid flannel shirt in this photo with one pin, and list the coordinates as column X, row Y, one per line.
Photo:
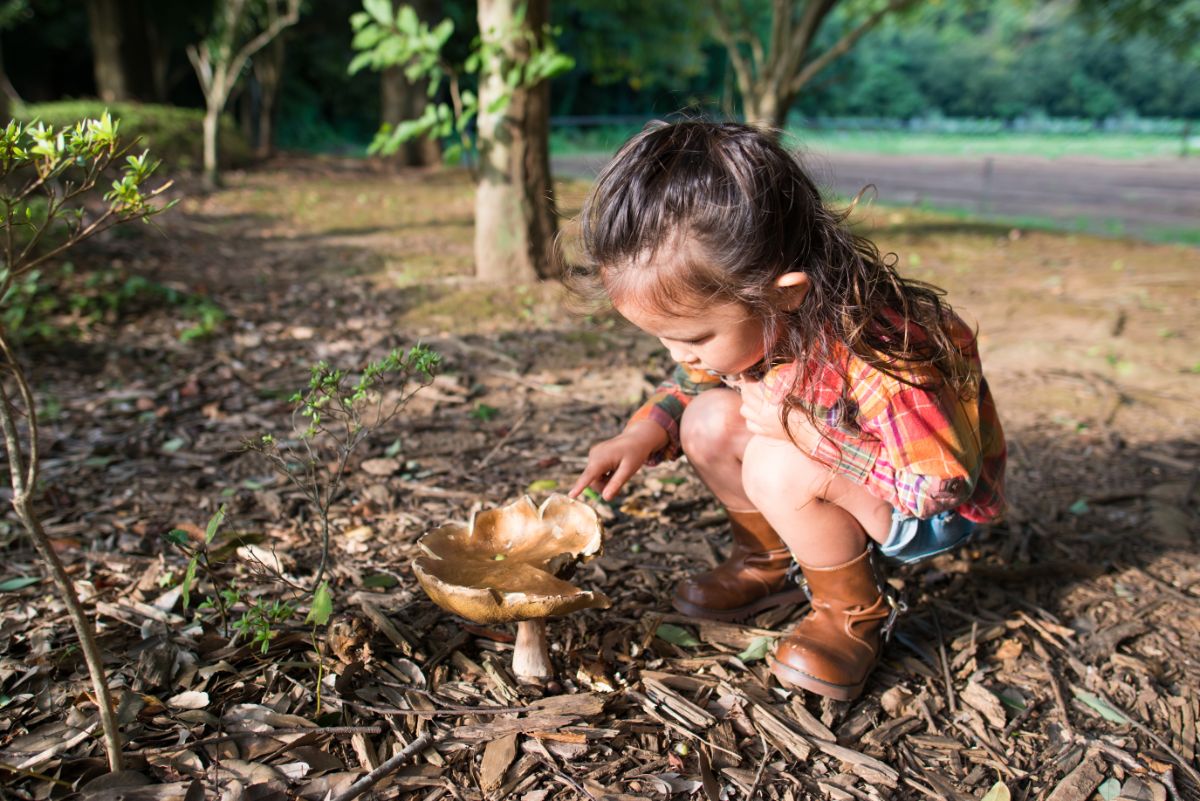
column 924, row 451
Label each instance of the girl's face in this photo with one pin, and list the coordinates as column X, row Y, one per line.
column 724, row 338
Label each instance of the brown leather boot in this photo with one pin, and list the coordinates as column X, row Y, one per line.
column 834, row 648
column 753, row 578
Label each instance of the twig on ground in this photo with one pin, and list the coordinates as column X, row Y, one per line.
column 487, row 457
column 1059, row 701
column 371, row 779
column 222, row 738
column 950, row 700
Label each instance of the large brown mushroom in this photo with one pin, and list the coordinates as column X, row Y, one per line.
column 511, row 564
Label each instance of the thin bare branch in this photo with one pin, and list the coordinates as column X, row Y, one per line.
column 23, row 505
column 844, row 44
column 238, row 62
column 727, row 36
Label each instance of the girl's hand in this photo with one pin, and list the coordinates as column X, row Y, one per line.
column 760, row 410
column 614, row 461
column 763, row 416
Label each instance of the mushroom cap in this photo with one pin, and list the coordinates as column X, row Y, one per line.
column 506, row 564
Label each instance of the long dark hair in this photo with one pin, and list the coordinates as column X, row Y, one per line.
column 691, row 212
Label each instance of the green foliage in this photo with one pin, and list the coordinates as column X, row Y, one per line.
column 48, row 175
column 1002, row 61
column 332, row 416
column 641, row 45
column 257, row 619
column 173, row 133
column 74, row 304
column 331, row 396
column 322, row 606
column 385, row 40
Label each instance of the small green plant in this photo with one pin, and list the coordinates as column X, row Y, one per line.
column 48, row 178
column 484, row 413
column 387, row 38
column 332, row 416
column 256, row 619
column 73, row 304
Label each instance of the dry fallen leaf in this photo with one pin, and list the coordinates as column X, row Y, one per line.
column 191, row 699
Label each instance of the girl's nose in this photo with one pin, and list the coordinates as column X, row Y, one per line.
column 680, row 352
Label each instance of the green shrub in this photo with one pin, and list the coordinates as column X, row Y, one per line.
column 174, row 134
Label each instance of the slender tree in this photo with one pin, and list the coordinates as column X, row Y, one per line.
column 514, row 58
column 514, row 203
column 401, row 98
column 240, row 28
column 773, row 62
column 104, row 24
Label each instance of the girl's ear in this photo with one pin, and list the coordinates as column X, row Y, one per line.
column 793, row 287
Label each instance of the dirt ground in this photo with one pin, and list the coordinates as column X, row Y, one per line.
column 1058, row 656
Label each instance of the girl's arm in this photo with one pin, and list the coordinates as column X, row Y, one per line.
column 665, row 407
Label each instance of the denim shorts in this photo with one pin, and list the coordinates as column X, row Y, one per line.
column 913, row 539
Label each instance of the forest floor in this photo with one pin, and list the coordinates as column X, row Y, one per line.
column 1058, row 655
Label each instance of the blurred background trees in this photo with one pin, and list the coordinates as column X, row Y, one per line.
column 1008, row 60
column 890, row 63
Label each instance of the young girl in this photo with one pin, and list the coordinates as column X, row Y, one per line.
column 826, row 401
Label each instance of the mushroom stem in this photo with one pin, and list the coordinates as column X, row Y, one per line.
column 531, row 655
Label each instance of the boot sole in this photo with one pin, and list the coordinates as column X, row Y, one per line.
column 795, row 596
column 795, row 678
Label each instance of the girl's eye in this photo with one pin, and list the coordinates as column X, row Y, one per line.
column 699, row 340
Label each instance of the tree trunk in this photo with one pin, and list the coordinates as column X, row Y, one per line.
column 268, row 69
column 766, row 107
column 212, row 118
column 400, row 99
column 514, row 204
column 158, row 55
column 104, row 22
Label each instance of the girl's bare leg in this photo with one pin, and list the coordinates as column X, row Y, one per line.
column 714, row 437
column 754, row 573
column 824, row 519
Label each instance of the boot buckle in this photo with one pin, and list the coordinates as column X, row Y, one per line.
column 896, row 607
column 796, row 576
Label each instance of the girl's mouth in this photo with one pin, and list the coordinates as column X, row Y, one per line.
column 754, row 372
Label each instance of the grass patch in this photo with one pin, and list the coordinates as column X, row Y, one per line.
column 173, row 134
column 1052, row 146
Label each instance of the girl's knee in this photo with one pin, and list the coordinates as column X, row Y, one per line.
column 712, row 427
column 774, row 468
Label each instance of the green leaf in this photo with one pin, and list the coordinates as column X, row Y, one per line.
column 176, row 536
column 214, row 523
column 758, row 649
column 188, row 577
column 1109, row 789
column 999, row 792
column 483, row 412
column 322, row 606
column 18, row 583
column 678, row 636
column 542, row 485
column 381, row 11
column 1099, row 706
column 174, row 444
column 1080, row 507
column 383, row 581
column 407, row 22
